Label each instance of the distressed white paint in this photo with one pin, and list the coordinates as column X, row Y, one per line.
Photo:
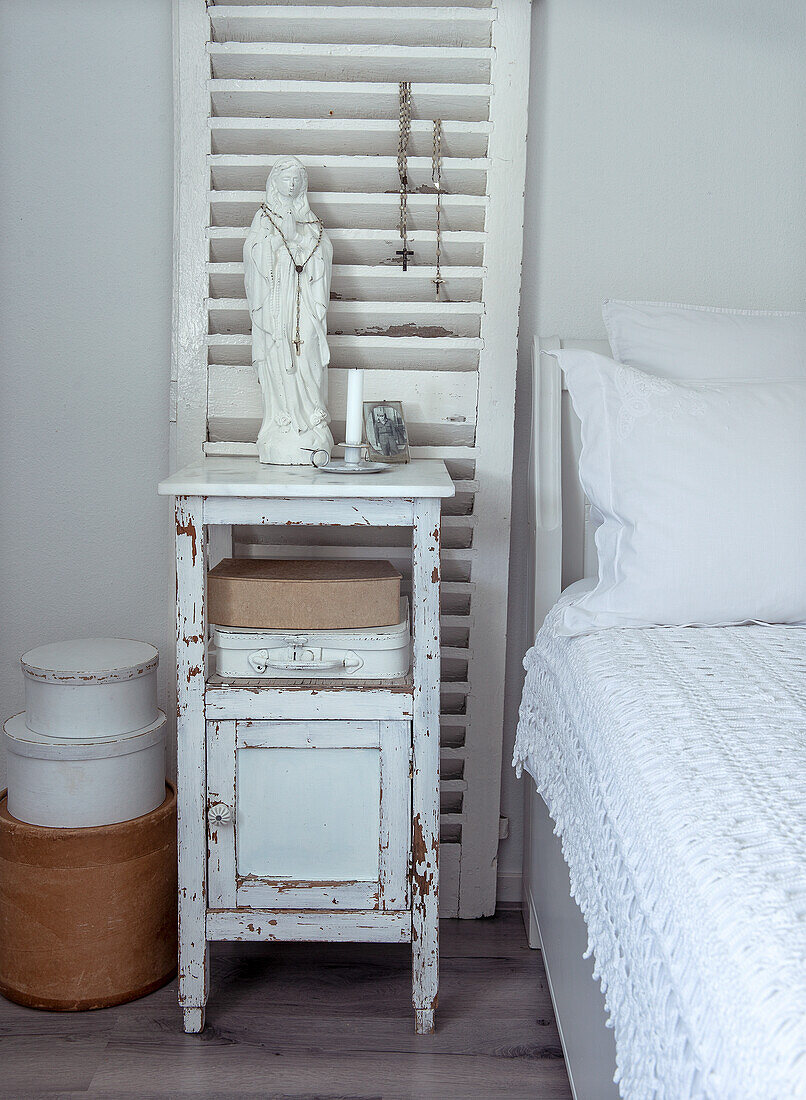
column 306, row 699
column 494, row 435
column 191, row 176
column 379, row 283
column 425, row 768
column 191, row 632
column 293, row 894
column 333, row 103
column 321, row 811
column 221, row 814
column 220, row 477
column 365, row 513
column 76, row 784
column 369, row 246
column 359, row 926
column 436, row 399
column 334, row 720
column 395, row 826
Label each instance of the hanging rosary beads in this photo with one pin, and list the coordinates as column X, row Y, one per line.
column 299, row 268
column 436, row 179
column 404, row 132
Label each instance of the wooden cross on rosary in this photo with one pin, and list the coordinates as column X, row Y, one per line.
column 404, row 254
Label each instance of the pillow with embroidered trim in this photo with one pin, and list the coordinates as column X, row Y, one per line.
column 700, row 490
column 706, row 342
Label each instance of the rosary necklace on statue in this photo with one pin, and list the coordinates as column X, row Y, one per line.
column 404, row 124
column 299, row 268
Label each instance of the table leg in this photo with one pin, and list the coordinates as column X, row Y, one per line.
column 425, row 776
column 191, row 634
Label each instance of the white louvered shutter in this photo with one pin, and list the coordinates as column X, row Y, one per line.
column 320, row 81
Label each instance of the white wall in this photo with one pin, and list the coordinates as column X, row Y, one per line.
column 667, row 153
column 86, row 176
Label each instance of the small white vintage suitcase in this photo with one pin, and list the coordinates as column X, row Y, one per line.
column 378, row 653
column 66, row 783
column 90, row 687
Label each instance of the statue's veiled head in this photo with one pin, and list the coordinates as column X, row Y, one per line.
column 287, row 188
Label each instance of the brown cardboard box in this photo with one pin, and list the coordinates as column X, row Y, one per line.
column 303, row 594
column 87, row 916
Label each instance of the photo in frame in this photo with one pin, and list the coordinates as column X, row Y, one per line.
column 385, row 431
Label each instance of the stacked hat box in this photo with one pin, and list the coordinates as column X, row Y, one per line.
column 89, row 749
column 87, row 830
column 308, row 618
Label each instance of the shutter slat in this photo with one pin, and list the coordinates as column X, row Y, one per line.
column 278, row 99
column 354, row 136
column 401, row 25
column 408, row 353
column 369, row 283
column 430, row 397
column 367, row 246
column 244, row 172
column 351, row 3
column 434, row 320
column 244, row 430
column 313, row 61
column 358, row 210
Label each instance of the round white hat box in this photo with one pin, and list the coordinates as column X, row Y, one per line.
column 91, row 687
column 64, row 783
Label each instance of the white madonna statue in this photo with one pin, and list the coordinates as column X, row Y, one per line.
column 287, row 267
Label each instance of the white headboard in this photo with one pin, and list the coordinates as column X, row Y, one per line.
column 563, row 547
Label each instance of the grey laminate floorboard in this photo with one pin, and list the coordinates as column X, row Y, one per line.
column 322, row 1020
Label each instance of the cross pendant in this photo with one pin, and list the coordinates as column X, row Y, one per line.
column 297, row 344
column 438, row 285
column 404, row 254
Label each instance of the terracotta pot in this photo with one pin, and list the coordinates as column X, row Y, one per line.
column 87, row 916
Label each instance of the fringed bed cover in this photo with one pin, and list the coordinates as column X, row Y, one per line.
column 673, row 762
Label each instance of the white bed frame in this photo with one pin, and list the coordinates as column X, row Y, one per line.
column 563, row 552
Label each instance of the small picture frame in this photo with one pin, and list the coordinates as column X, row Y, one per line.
column 385, row 431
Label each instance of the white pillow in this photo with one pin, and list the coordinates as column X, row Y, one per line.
column 703, row 342
column 701, row 490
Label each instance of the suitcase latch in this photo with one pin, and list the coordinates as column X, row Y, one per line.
column 302, row 658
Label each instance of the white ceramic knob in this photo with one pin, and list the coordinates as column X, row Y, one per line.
column 219, row 814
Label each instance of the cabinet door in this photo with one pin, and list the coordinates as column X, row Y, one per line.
column 308, row 815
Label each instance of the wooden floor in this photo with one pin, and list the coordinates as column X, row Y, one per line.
column 310, row 1020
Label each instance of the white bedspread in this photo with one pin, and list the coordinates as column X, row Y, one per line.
column 673, row 762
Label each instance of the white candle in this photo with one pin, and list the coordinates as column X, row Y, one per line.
column 355, row 415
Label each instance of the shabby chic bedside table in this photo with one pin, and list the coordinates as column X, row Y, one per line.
column 308, row 809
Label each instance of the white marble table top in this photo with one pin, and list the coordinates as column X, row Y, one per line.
column 247, row 477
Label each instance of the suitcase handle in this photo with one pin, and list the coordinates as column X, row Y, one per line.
column 261, row 660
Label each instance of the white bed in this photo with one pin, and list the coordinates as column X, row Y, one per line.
column 684, row 830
